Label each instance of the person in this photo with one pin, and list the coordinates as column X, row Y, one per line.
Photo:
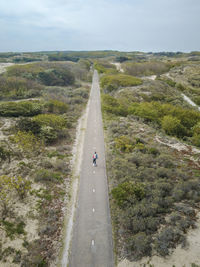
column 95, row 157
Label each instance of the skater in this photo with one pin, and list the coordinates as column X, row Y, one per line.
column 95, row 157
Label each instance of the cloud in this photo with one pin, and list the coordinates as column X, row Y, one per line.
column 101, row 24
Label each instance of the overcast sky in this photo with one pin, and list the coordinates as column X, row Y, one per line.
column 126, row 25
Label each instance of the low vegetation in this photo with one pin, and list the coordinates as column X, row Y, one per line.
column 113, row 82
column 153, row 185
column 35, row 153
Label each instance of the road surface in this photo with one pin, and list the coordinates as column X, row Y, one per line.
column 92, row 233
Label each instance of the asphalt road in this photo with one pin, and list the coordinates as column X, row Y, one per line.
column 92, row 233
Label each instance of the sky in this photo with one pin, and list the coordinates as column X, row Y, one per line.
column 124, row 25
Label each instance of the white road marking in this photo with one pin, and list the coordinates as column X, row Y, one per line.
column 93, row 210
column 93, row 171
column 92, row 242
column 93, row 190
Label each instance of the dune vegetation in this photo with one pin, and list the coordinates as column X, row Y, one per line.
column 40, row 105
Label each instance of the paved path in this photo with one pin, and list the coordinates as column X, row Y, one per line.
column 92, row 233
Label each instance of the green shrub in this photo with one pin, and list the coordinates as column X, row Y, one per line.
column 27, row 124
column 44, row 176
column 48, row 134
column 124, row 144
column 196, row 135
column 23, row 108
column 105, row 68
column 127, row 193
column 113, row 82
column 148, row 111
column 154, row 151
column 196, row 140
column 17, row 88
column 60, row 77
column 55, row 106
column 50, row 120
column 28, row 142
column 4, row 154
column 170, row 82
column 197, row 100
column 111, row 105
column 29, row 71
column 172, row 126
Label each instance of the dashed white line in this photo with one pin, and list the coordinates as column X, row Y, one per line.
column 92, row 242
column 93, row 210
column 93, row 190
column 93, row 171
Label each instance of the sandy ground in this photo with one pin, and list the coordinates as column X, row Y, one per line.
column 187, row 99
column 6, row 123
column 3, row 66
column 179, row 258
column 152, row 77
column 118, row 66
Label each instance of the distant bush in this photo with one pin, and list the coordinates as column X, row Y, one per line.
column 22, row 108
column 113, row 82
column 60, row 77
column 146, row 68
column 29, row 71
column 121, row 59
column 17, row 88
column 106, row 68
column 62, row 57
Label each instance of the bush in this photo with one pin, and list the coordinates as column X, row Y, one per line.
column 128, row 193
column 139, row 246
column 166, row 239
column 23, row 108
column 44, row 176
column 28, row 142
column 111, row 105
column 17, row 88
column 4, row 154
column 57, row 122
column 28, row 125
column 48, row 134
column 146, row 68
column 55, row 106
column 113, row 82
column 172, row 126
column 60, row 77
column 124, row 144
